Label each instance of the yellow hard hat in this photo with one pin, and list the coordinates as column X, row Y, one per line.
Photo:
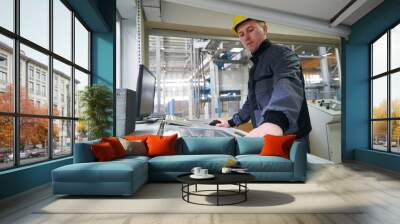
column 236, row 20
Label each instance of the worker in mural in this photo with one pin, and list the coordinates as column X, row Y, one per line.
column 276, row 102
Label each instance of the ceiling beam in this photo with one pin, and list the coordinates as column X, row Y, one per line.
column 346, row 12
column 274, row 16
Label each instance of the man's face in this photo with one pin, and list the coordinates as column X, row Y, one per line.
column 251, row 34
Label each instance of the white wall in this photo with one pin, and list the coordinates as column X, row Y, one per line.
column 129, row 66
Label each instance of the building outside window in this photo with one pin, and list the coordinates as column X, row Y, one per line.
column 3, row 72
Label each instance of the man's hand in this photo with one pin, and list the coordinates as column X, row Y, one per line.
column 224, row 123
column 266, row 128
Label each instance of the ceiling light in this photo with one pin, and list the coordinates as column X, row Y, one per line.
column 236, row 50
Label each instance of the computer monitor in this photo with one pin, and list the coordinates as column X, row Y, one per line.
column 145, row 91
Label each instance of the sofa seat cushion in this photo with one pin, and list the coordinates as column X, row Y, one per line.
column 112, row 171
column 133, row 158
column 185, row 163
column 257, row 163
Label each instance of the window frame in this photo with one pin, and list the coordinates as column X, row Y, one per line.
column 388, row 74
column 15, row 71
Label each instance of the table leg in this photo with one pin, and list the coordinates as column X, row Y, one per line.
column 245, row 191
column 217, row 194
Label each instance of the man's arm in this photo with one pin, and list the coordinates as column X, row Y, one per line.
column 288, row 94
column 240, row 117
column 281, row 113
column 243, row 115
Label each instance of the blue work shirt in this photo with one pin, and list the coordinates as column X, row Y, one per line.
column 276, row 91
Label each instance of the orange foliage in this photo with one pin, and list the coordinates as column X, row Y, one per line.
column 33, row 130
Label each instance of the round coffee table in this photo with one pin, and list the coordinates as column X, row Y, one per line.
column 238, row 179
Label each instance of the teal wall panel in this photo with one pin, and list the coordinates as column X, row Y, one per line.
column 356, row 82
column 103, row 58
column 24, row 178
column 377, row 158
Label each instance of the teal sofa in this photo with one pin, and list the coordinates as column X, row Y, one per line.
column 125, row 176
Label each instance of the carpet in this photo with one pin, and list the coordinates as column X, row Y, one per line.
column 166, row 198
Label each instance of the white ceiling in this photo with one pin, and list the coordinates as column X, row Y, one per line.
column 319, row 9
column 126, row 8
column 312, row 15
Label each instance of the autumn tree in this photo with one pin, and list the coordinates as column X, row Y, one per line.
column 380, row 127
column 33, row 130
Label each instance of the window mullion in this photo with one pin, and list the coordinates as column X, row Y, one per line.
column 16, row 84
column 73, row 81
column 50, row 81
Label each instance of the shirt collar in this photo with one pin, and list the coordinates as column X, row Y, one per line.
column 263, row 46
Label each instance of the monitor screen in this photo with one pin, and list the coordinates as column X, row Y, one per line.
column 145, row 90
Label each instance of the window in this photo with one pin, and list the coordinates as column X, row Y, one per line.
column 7, row 14
column 7, row 83
column 3, row 61
column 385, row 94
column 38, row 89
column 81, row 45
column 34, row 22
column 62, row 29
column 3, row 78
column 81, row 81
column 30, row 72
column 37, row 74
column 43, row 90
column 30, row 88
column 54, row 125
column 62, row 74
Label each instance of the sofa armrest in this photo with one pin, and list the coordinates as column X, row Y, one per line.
column 83, row 152
column 298, row 155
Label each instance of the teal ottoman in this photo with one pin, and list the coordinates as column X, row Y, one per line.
column 118, row 177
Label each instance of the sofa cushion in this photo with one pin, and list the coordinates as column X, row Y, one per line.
column 277, row 145
column 161, row 145
column 103, row 152
column 185, row 163
column 116, row 145
column 128, row 159
column 134, row 147
column 257, row 163
column 136, row 137
column 206, row 145
column 249, row 145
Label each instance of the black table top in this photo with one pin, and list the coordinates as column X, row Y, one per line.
column 220, row 178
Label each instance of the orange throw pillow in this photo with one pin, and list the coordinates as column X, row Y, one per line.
column 116, row 145
column 103, row 151
column 161, row 145
column 277, row 145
